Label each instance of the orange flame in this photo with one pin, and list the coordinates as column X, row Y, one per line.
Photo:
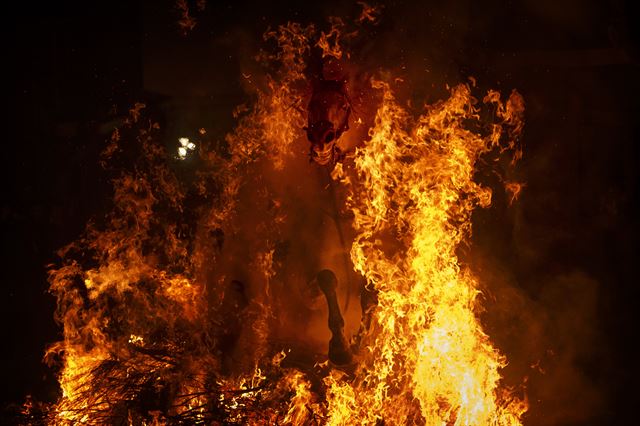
column 514, row 189
column 139, row 306
column 369, row 13
column 425, row 358
column 186, row 22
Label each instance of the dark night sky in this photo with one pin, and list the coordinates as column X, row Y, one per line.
column 72, row 64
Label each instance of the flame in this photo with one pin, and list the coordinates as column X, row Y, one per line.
column 139, row 296
column 369, row 13
column 426, row 358
column 186, row 23
column 329, row 42
column 514, row 189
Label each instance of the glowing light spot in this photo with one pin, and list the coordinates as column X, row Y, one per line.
column 185, row 146
column 134, row 339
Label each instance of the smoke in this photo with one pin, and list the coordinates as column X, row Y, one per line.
column 551, row 338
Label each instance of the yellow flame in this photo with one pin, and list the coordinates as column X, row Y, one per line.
column 426, row 358
column 136, row 317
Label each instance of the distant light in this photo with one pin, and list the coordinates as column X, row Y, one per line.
column 185, row 147
column 136, row 340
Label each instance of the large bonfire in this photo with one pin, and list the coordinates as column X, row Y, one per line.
column 145, row 309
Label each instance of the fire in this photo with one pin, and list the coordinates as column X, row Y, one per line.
column 425, row 359
column 186, row 21
column 141, row 297
column 369, row 13
column 514, row 189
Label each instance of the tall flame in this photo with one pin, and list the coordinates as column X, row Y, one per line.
column 139, row 296
column 425, row 358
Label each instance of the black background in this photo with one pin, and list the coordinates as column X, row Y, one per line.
column 75, row 66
